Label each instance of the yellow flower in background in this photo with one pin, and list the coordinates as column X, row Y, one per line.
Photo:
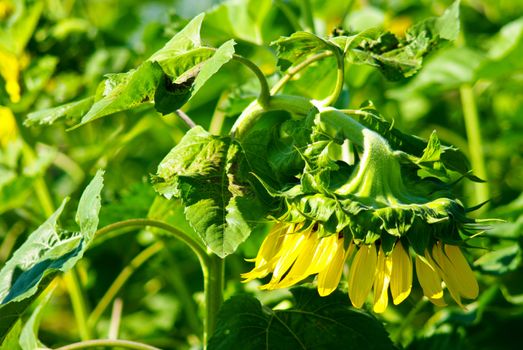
column 8, row 128
column 292, row 253
column 10, row 71
column 6, row 7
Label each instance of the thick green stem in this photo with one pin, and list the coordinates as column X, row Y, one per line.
column 337, row 124
column 119, row 282
column 470, row 114
column 112, row 343
column 213, row 276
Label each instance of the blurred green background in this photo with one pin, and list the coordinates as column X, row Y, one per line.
column 62, row 49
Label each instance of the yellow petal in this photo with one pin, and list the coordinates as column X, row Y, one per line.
column 468, row 286
column 361, row 275
column 381, row 282
column 9, row 70
column 290, row 249
column 265, row 260
column 271, row 244
column 446, row 271
column 429, row 280
column 298, row 271
column 401, row 275
column 324, row 253
column 329, row 278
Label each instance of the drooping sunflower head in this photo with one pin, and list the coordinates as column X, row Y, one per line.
column 390, row 214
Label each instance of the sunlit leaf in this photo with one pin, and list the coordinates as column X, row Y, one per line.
column 204, row 171
column 73, row 110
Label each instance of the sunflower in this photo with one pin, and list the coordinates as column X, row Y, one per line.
column 291, row 254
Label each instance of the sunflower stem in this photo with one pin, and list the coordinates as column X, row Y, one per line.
column 213, row 275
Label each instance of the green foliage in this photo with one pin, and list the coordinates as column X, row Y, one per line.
column 355, row 166
column 205, row 171
column 312, row 323
column 47, row 251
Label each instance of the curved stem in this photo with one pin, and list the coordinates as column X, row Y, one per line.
column 249, row 116
column 265, row 94
column 197, row 248
column 297, row 68
column 340, row 80
column 118, row 283
column 126, row 344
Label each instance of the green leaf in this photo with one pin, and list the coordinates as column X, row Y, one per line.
column 399, row 58
column 313, row 323
column 171, row 95
column 208, row 173
column 248, row 20
column 73, row 110
column 125, row 91
column 505, row 51
column 47, row 251
column 185, row 40
column 299, row 45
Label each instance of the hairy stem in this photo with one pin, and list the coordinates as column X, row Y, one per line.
column 126, row 344
column 119, row 282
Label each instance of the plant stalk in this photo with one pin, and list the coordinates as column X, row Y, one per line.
column 213, row 275
column 470, row 114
